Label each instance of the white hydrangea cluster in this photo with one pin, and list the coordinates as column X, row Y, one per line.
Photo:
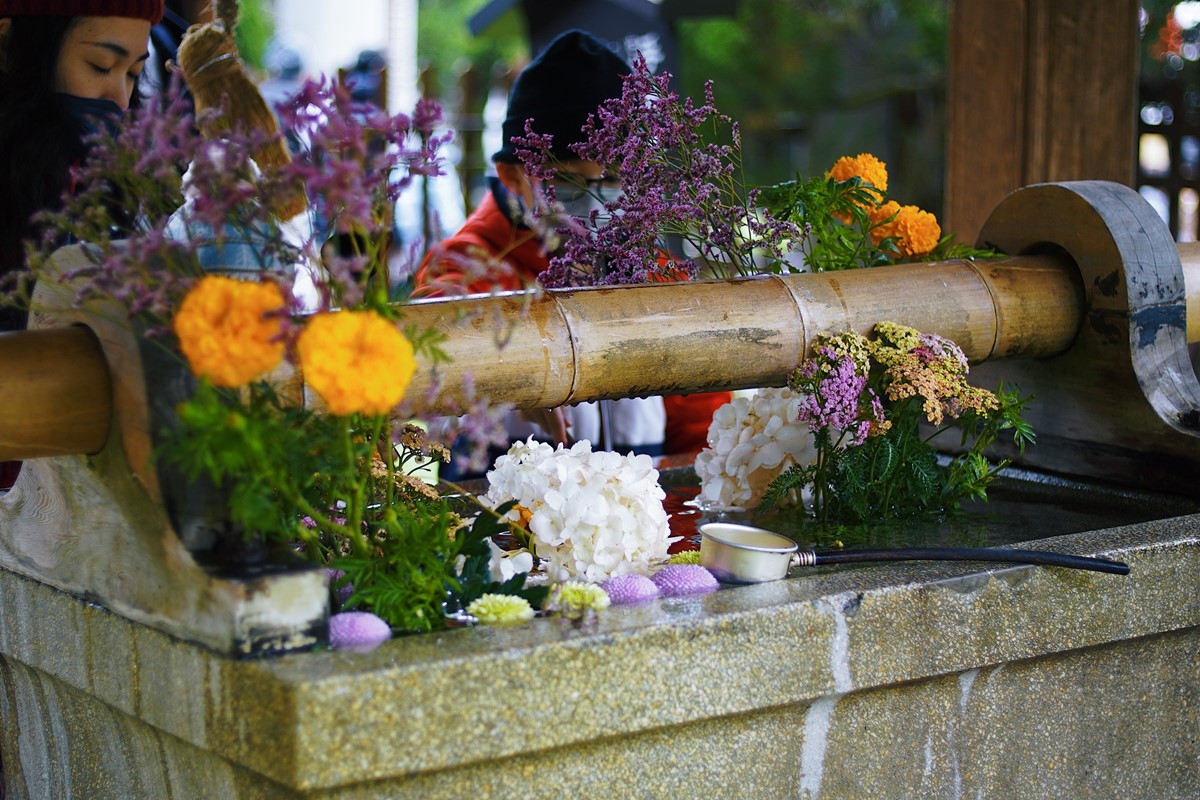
column 594, row 514
column 750, row 442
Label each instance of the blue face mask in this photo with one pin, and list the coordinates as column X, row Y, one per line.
column 581, row 203
column 92, row 115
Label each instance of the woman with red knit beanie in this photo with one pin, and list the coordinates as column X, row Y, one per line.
column 64, row 66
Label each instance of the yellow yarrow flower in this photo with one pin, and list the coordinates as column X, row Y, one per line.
column 501, row 609
column 847, row 344
column 893, row 343
column 357, row 361
column 916, row 231
column 865, row 166
column 229, row 329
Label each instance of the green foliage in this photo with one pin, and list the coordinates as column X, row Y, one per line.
column 968, row 475
column 253, row 32
column 446, row 47
column 406, row 576
column 835, row 214
column 265, row 452
column 894, row 475
column 399, row 548
column 818, row 204
column 811, row 81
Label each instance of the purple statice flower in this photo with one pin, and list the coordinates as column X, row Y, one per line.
column 357, row 631
column 675, row 580
column 628, row 589
column 355, row 160
column 471, row 419
column 534, row 151
column 674, row 183
column 426, row 117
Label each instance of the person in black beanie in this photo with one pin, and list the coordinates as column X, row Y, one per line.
column 567, row 82
column 555, row 93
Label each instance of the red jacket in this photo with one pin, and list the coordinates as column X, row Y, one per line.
column 490, row 233
column 487, row 234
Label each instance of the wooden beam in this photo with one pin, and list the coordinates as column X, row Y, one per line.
column 1037, row 91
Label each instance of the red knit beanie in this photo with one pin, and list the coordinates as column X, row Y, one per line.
column 151, row 10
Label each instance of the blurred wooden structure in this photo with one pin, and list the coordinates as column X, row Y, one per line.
column 1038, row 91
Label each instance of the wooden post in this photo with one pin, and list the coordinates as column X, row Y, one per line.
column 1038, row 91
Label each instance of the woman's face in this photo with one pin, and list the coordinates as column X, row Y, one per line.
column 102, row 57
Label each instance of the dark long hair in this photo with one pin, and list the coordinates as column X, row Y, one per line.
column 39, row 141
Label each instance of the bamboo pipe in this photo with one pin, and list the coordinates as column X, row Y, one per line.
column 571, row 346
column 587, row 344
column 57, row 393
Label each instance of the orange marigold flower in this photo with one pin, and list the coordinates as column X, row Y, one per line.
column 865, row 166
column 229, row 330
column 916, row 232
column 356, row 360
column 883, row 221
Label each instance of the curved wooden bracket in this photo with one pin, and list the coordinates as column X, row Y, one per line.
column 1123, row 402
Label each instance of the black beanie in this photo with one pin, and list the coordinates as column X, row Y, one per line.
column 559, row 89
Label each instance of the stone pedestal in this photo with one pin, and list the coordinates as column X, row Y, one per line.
column 898, row 681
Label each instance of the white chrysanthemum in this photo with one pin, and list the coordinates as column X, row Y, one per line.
column 750, row 442
column 594, row 514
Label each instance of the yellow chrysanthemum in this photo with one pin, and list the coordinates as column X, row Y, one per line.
column 579, row 596
column 356, row 360
column 916, row 231
column 228, row 331
column 865, row 166
column 685, row 557
column 501, row 609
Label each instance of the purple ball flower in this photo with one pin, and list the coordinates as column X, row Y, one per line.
column 625, row 589
column 674, row 580
column 357, row 630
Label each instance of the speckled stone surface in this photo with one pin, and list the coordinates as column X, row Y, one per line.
column 915, row 680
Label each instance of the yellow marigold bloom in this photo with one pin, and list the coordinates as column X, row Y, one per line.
column 501, row 609
column 228, row 331
column 916, row 231
column 863, row 165
column 356, row 360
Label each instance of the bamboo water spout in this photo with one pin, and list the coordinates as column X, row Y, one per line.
column 571, row 346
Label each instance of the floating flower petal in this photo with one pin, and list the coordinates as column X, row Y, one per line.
column 501, row 610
